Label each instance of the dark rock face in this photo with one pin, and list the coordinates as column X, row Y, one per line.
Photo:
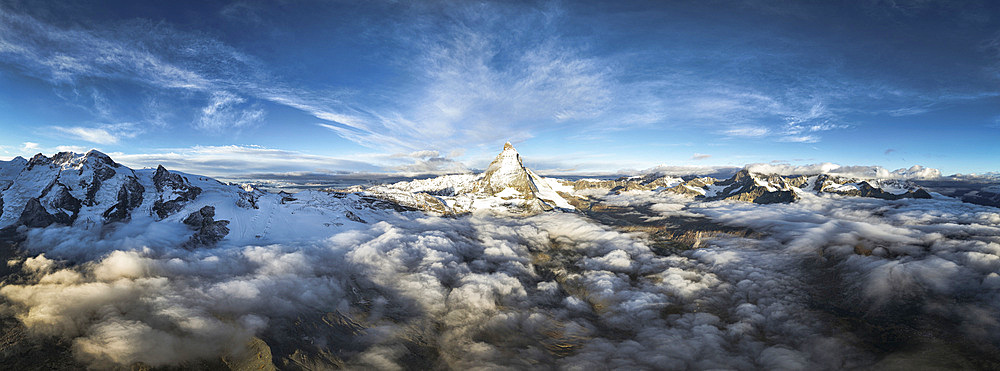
column 55, row 196
column 247, row 201
column 778, row 197
column 865, row 189
column 686, row 187
column 164, row 179
column 62, row 158
column 102, row 158
column 129, row 198
column 1, row 205
column 507, row 171
column 824, row 180
column 976, row 197
column 163, row 209
column 199, row 218
column 743, row 187
column 209, row 231
column 35, row 216
column 64, row 200
column 354, row 217
column 101, row 175
column 38, row 160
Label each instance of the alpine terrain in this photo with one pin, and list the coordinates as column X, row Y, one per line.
column 112, row 268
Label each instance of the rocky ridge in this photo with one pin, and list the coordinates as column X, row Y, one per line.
column 754, row 187
column 59, row 190
column 506, row 186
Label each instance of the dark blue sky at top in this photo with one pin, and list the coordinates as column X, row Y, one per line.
column 230, row 87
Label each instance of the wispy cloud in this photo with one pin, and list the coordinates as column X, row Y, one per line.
column 228, row 160
column 64, row 55
column 135, row 53
column 228, row 111
column 93, row 135
column 747, row 132
column 99, row 134
column 799, row 139
column 482, row 81
column 464, row 96
column 700, row 156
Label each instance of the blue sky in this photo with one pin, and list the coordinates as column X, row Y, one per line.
column 224, row 88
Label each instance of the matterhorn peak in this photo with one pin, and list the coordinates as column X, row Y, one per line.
column 506, row 171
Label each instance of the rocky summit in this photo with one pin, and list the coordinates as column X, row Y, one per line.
column 67, row 189
column 505, row 186
column 507, row 172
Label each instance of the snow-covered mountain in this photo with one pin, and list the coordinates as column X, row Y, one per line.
column 772, row 188
column 505, row 186
column 88, row 189
column 92, row 192
column 750, row 186
column 508, row 186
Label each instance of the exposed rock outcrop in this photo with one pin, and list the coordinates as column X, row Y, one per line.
column 773, row 188
column 38, row 160
column 349, row 215
column 208, row 230
column 625, row 184
column 506, row 186
column 62, row 158
column 506, row 171
column 101, row 175
column 58, row 198
column 129, row 198
column 174, row 191
column 35, row 215
column 694, row 187
column 756, row 188
column 507, row 176
column 865, row 188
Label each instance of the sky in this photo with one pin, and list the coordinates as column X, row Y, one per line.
column 223, row 88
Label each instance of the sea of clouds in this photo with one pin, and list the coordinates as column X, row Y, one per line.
column 821, row 285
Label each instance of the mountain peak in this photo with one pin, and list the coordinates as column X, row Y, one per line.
column 506, row 171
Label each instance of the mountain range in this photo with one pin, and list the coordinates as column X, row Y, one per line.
column 93, row 191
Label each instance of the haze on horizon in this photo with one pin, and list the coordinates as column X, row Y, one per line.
column 224, row 88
